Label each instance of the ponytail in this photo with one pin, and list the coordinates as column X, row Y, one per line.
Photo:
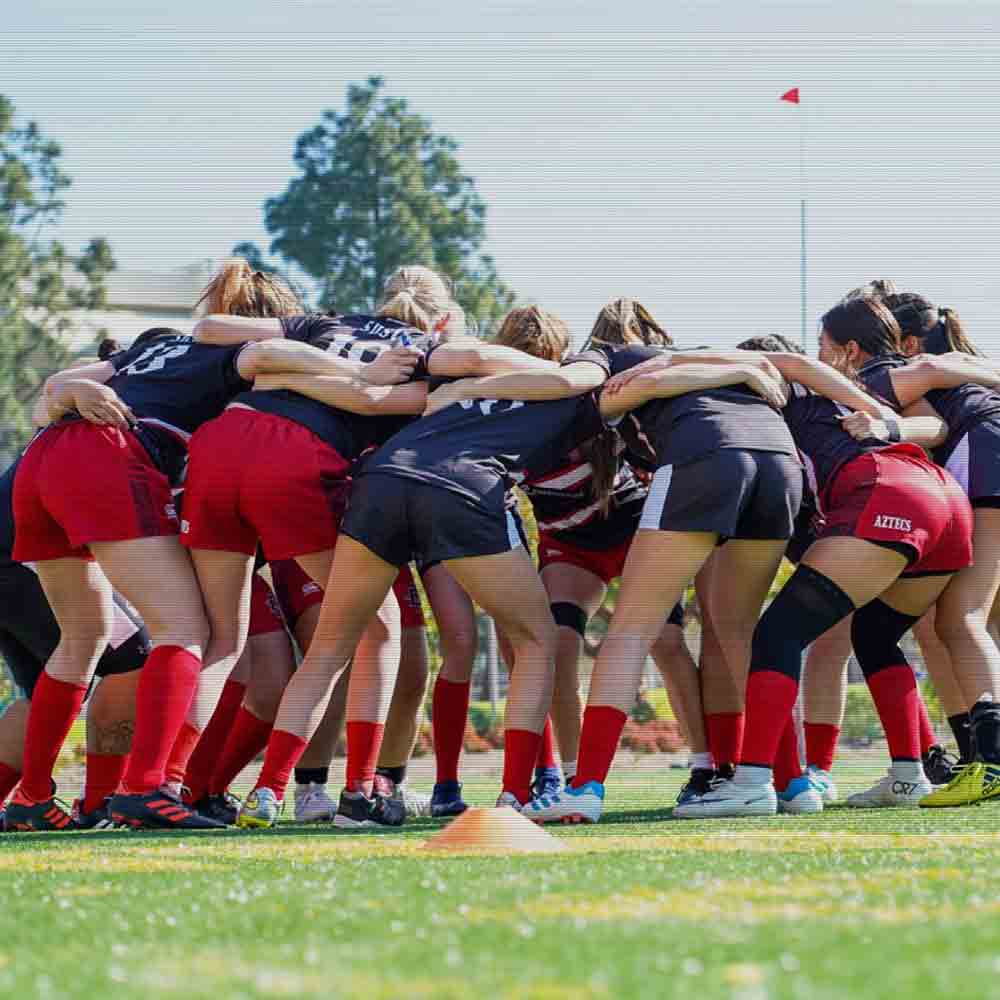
column 939, row 330
column 238, row 290
column 108, row 347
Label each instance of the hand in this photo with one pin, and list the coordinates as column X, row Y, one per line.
column 862, row 426
column 616, row 383
column 768, row 384
column 391, row 367
column 443, row 397
column 99, row 404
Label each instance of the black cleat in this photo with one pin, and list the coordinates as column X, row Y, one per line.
column 700, row 782
column 51, row 814
column 446, row 800
column 96, row 819
column 940, row 767
column 222, row 807
column 158, row 811
column 356, row 811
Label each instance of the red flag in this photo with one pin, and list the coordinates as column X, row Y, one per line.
column 792, row 96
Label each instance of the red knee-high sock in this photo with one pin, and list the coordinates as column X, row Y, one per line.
column 104, row 775
column 927, row 735
column 725, row 736
column 787, row 765
column 449, row 710
column 167, row 686
column 8, row 779
column 821, row 744
column 770, row 699
column 180, row 754
column 54, row 708
column 283, row 753
column 897, row 700
column 247, row 738
column 201, row 763
column 602, row 728
column 547, row 748
column 364, row 740
column 520, row 751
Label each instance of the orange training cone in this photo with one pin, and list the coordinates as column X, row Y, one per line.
column 500, row 831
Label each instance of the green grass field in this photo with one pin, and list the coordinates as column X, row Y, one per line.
column 847, row 904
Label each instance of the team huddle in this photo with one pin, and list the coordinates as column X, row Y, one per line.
column 337, row 455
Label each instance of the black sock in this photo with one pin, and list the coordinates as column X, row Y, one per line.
column 985, row 728
column 397, row 775
column 962, row 731
column 313, row 775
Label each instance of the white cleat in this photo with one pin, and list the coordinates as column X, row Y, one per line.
column 313, row 805
column 801, row 797
column 260, row 810
column 891, row 792
column 569, row 805
column 417, row 804
column 509, row 799
column 731, row 798
column 823, row 781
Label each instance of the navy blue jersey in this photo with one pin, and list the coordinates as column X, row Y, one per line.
column 815, row 423
column 173, row 385
column 565, row 507
column 479, row 448
column 961, row 408
column 688, row 427
column 358, row 338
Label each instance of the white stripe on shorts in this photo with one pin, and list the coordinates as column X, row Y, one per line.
column 513, row 535
column 958, row 463
column 652, row 509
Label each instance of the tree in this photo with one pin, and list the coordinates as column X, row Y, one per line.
column 378, row 188
column 40, row 282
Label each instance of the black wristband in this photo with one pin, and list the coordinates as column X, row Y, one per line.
column 894, row 434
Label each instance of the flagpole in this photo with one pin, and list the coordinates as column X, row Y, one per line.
column 803, row 271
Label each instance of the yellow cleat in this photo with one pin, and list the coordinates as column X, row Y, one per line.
column 976, row 782
column 259, row 811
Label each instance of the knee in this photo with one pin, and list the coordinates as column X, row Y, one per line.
column 411, row 682
column 459, row 644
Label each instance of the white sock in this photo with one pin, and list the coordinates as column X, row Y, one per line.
column 569, row 771
column 747, row 774
column 907, row 770
column 702, row 761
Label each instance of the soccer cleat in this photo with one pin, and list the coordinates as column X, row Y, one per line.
column 699, row 783
column 157, row 811
column 939, row 765
column 547, row 783
column 732, row 798
column 571, row 805
column 446, row 800
column 356, row 811
column 313, row 804
column 800, row 797
column 890, row 792
column 260, row 810
column 975, row 782
column 23, row 815
column 509, row 799
column 823, row 783
column 222, row 807
column 416, row 804
column 96, row 819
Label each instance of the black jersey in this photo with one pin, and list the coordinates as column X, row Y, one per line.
column 564, row 505
column 688, row 427
column 359, row 338
column 961, row 408
column 173, row 385
column 815, row 423
column 479, row 448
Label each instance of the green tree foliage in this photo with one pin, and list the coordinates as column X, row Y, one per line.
column 377, row 188
column 40, row 282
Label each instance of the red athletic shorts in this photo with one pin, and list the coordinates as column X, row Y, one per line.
column 897, row 495
column 296, row 592
column 79, row 483
column 259, row 476
column 604, row 563
column 265, row 615
column 411, row 613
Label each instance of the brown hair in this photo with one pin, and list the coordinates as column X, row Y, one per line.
column 238, row 290
column 534, row 331
column 772, row 342
column 626, row 321
column 877, row 288
column 938, row 330
column 416, row 295
column 866, row 321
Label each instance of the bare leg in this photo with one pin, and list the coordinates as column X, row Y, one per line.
column 402, row 723
column 680, row 675
column 937, row 659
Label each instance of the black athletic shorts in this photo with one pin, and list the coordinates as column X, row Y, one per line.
column 29, row 632
column 423, row 568
column 737, row 494
column 401, row 520
column 975, row 463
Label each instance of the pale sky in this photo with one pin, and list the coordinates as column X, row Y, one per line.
column 627, row 148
